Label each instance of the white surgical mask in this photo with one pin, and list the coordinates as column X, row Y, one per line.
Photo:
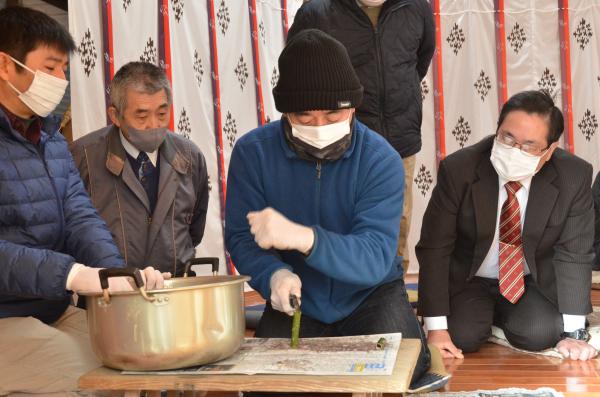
column 371, row 3
column 323, row 135
column 511, row 163
column 45, row 92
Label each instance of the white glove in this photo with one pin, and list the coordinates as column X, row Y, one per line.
column 284, row 284
column 154, row 279
column 273, row 230
column 83, row 278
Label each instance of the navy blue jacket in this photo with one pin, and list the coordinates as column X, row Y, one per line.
column 354, row 205
column 47, row 223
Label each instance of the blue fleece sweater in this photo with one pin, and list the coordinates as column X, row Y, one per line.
column 354, row 205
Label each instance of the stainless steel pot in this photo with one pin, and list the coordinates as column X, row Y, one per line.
column 191, row 321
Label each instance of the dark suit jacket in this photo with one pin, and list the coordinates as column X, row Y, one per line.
column 460, row 220
column 166, row 238
column 596, row 194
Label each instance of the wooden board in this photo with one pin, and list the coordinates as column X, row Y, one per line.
column 108, row 379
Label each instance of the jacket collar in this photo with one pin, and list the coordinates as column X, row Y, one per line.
column 485, row 203
column 173, row 165
column 542, row 197
column 7, row 129
column 388, row 7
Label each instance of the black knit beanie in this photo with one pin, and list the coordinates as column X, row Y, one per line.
column 315, row 73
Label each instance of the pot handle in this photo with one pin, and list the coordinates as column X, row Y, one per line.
column 202, row 261
column 132, row 272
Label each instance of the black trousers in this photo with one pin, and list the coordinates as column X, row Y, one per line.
column 533, row 323
column 386, row 310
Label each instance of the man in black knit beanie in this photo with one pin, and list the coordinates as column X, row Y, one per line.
column 314, row 204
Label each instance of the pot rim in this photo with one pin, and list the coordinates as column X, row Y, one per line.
column 229, row 280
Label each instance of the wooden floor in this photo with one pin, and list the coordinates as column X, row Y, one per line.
column 495, row 366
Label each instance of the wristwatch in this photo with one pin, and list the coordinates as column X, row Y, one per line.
column 579, row 334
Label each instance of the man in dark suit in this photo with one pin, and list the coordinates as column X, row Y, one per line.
column 507, row 239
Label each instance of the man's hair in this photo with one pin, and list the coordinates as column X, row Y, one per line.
column 23, row 30
column 536, row 102
column 140, row 76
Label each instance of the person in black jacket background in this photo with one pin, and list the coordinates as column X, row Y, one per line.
column 390, row 44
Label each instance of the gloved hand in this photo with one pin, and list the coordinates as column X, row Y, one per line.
column 283, row 284
column 273, row 230
column 154, row 279
column 83, row 278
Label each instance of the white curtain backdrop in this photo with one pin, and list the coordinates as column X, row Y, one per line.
column 87, row 68
column 193, row 105
column 584, row 24
column 271, row 37
column 425, row 175
column 470, row 88
column 532, row 53
column 134, row 31
column 215, row 84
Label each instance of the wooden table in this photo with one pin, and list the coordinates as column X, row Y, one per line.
column 360, row 386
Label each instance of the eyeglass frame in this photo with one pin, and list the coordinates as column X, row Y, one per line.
column 517, row 145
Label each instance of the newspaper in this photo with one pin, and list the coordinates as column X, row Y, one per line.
column 348, row 355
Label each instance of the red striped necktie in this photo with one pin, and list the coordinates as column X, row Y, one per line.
column 511, row 258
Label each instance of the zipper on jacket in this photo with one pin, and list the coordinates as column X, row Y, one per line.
column 318, row 192
column 381, row 82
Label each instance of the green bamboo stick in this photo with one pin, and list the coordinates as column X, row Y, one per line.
column 296, row 329
column 295, row 322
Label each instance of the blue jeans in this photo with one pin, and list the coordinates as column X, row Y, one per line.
column 386, row 310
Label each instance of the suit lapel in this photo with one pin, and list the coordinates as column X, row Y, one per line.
column 485, row 204
column 172, row 164
column 541, row 200
column 117, row 164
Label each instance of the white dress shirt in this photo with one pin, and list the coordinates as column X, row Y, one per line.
column 489, row 267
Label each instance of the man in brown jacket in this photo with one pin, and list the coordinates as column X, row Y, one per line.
column 149, row 185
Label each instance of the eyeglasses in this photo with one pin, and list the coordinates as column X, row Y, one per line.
column 525, row 148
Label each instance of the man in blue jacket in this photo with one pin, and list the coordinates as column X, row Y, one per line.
column 314, row 204
column 52, row 241
column 390, row 44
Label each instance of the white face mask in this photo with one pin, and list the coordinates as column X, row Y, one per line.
column 512, row 164
column 44, row 94
column 371, row 3
column 323, row 135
